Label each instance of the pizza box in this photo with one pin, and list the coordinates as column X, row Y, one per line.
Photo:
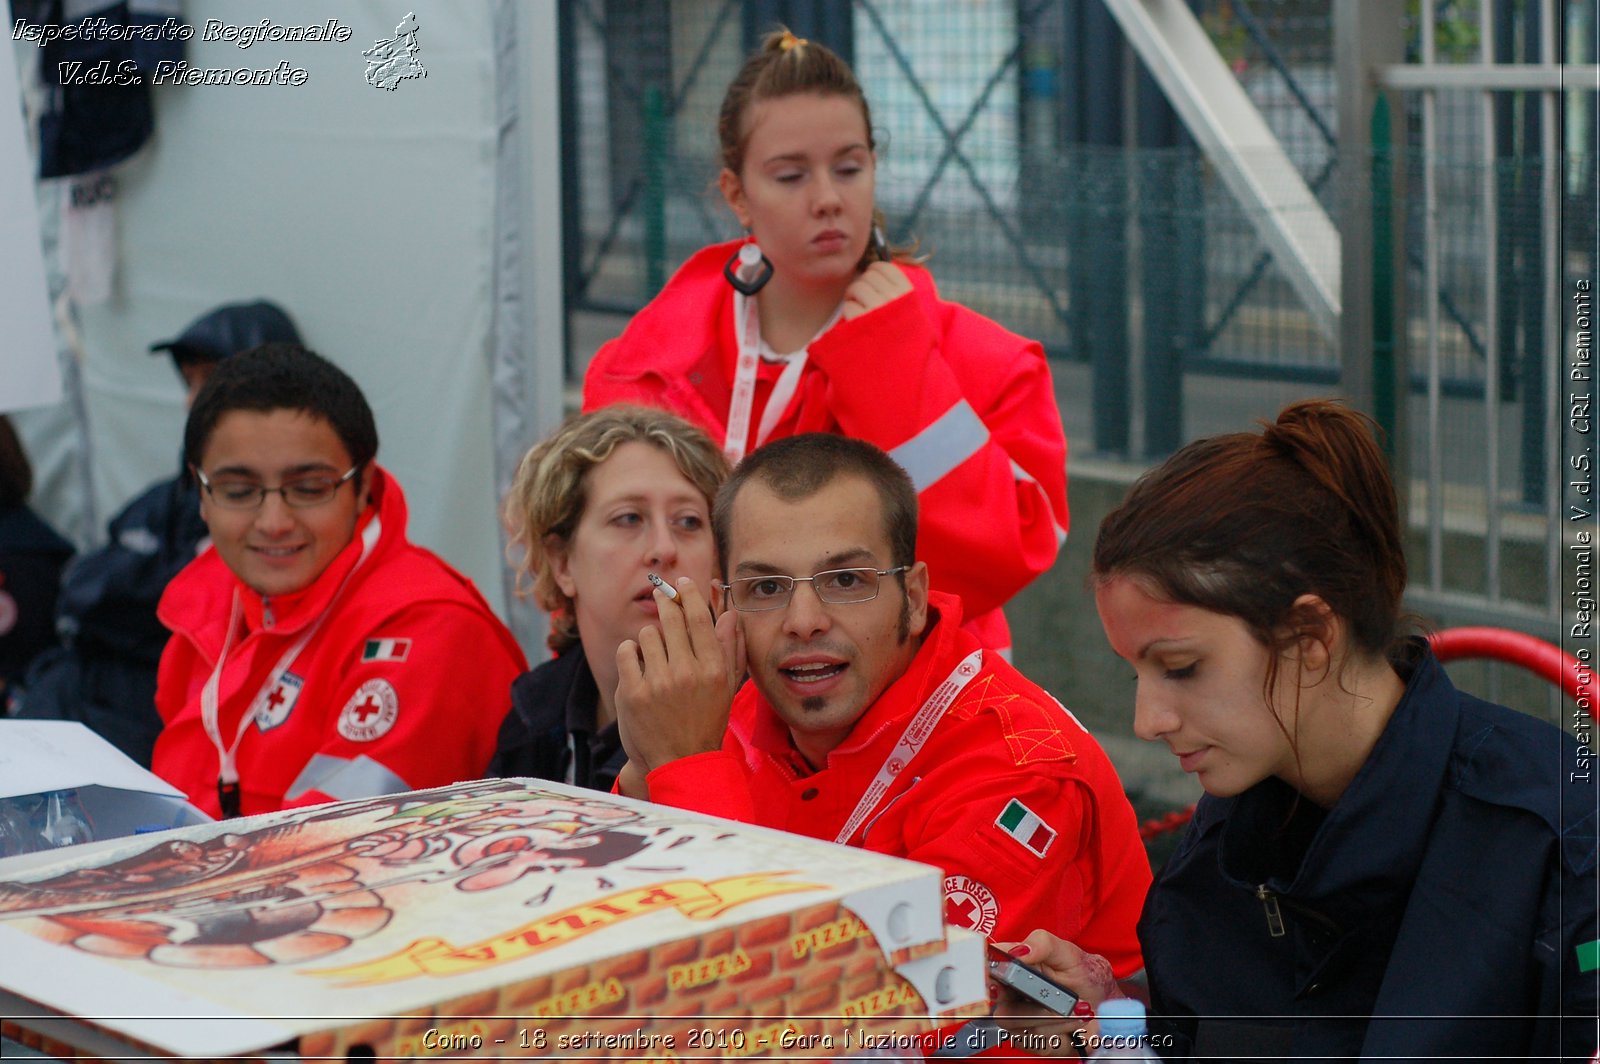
column 498, row 918
column 60, row 783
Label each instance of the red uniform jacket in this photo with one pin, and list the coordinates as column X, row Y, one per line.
column 1010, row 796
column 403, row 685
column 964, row 405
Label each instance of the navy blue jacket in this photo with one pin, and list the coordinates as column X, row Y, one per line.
column 103, row 672
column 31, row 556
column 550, row 732
column 1435, row 912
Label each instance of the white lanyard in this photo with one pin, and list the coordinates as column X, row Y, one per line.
column 747, row 324
column 227, row 760
column 912, row 740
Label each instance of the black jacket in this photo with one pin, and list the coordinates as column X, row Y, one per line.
column 103, row 672
column 1435, row 912
column 550, row 732
column 31, row 557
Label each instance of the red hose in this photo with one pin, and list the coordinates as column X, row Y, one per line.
column 1545, row 660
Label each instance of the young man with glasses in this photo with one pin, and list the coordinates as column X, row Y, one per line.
column 317, row 654
column 871, row 718
column 103, row 671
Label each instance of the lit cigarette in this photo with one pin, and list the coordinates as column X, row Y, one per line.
column 666, row 588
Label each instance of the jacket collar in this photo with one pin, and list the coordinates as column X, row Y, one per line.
column 687, row 329
column 1365, row 850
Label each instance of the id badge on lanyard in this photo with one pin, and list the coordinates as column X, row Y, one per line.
column 747, row 325
column 911, row 741
column 228, row 790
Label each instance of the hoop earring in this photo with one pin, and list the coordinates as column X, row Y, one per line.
column 748, row 256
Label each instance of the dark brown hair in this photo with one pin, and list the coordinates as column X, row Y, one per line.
column 279, row 376
column 797, row 467
column 16, row 474
column 784, row 65
column 1244, row 524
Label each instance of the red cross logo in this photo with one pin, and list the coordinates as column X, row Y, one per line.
column 960, row 912
column 366, row 710
column 968, row 903
column 371, row 711
column 275, row 705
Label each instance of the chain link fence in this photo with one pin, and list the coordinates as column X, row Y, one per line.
column 1023, row 145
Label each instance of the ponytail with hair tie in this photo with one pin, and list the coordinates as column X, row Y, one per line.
column 1338, row 447
column 1244, row 524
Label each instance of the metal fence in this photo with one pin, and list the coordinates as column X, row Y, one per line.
column 1024, row 146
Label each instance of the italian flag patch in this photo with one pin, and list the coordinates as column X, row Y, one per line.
column 386, row 650
column 1027, row 827
column 1589, row 956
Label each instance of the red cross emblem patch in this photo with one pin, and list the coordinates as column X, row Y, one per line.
column 968, row 903
column 274, row 704
column 370, row 713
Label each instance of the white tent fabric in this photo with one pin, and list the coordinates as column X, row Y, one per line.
column 384, row 221
column 31, row 377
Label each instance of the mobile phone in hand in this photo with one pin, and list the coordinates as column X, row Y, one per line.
column 1030, row 983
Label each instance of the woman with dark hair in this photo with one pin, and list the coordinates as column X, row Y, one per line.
column 32, row 555
column 812, row 323
column 1382, row 866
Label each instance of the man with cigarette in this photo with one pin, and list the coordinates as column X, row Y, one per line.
column 870, row 718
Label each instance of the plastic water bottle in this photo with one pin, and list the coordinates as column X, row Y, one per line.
column 1122, row 1032
column 66, row 823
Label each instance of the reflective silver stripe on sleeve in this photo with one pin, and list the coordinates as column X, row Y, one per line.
column 1022, row 475
column 344, row 779
column 957, row 435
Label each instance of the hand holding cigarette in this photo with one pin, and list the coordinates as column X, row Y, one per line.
column 675, row 683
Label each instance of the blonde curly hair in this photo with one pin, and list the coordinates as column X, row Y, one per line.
column 550, row 491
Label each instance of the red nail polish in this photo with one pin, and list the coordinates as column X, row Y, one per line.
column 1020, row 951
column 1083, row 1010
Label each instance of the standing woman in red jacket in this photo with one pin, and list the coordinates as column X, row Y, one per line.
column 811, row 323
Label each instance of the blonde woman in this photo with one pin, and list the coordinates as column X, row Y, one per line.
column 609, row 498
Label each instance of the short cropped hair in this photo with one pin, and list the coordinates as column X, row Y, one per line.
column 551, row 491
column 283, row 377
column 797, row 467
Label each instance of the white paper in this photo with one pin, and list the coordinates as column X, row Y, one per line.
column 89, row 236
column 55, row 755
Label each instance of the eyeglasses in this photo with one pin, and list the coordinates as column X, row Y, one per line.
column 752, row 594
column 301, row 492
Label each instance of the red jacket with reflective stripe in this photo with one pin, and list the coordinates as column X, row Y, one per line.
column 964, row 405
column 421, row 710
column 1072, row 863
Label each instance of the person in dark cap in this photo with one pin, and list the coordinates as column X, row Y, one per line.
column 102, row 671
column 227, row 330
